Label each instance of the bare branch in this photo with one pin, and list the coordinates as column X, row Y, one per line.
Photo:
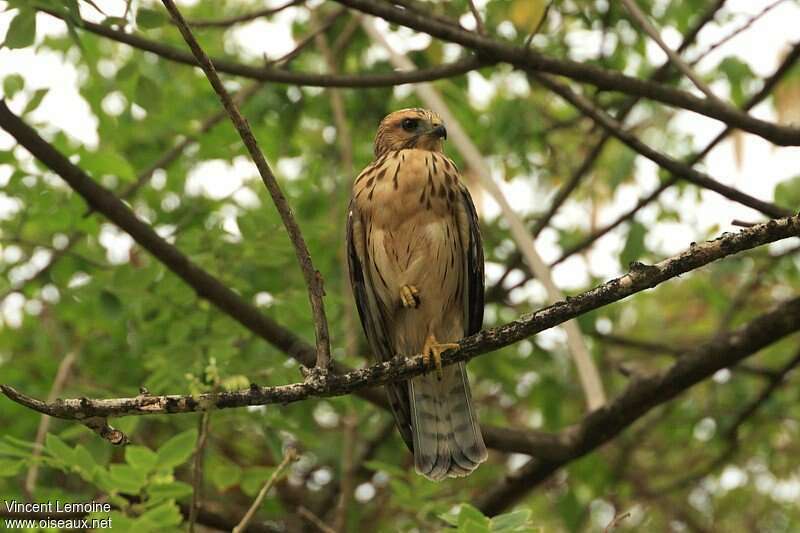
column 677, row 168
column 640, row 277
column 659, row 75
column 278, row 75
column 289, row 456
column 64, row 368
column 749, row 22
column 312, row 276
column 477, row 16
column 763, row 93
column 533, row 61
column 245, row 17
column 197, row 468
column 642, row 20
column 643, row 394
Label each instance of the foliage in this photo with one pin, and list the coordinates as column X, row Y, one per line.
column 134, row 324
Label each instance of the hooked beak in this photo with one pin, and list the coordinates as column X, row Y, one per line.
column 439, row 131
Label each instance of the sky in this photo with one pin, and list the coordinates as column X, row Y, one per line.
column 762, row 165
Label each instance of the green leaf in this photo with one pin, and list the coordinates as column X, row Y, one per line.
column 12, row 84
column 148, row 94
column 59, row 449
column 35, row 100
column 511, row 521
column 177, row 449
column 85, row 462
column 127, row 479
column 787, row 194
column 468, row 513
column 225, row 474
column 107, row 161
column 22, row 30
column 150, row 18
column 165, row 515
column 253, row 478
column 111, row 304
column 174, row 490
column 473, row 526
column 141, row 458
column 10, row 467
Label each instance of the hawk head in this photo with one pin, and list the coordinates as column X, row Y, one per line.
column 410, row 128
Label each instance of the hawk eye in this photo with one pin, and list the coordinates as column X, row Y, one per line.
column 409, row 124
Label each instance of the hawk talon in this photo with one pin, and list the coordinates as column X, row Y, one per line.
column 409, row 296
column 434, row 349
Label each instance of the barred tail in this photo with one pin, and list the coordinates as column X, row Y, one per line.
column 447, row 438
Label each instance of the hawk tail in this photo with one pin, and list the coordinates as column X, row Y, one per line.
column 447, row 437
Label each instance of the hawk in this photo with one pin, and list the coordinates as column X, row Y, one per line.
column 416, row 267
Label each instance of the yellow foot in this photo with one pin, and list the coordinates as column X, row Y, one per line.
column 409, row 296
column 434, row 349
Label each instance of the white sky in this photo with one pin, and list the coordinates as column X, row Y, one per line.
column 762, row 166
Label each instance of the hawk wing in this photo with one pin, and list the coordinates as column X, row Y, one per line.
column 473, row 263
column 373, row 317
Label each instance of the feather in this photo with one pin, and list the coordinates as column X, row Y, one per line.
column 418, row 228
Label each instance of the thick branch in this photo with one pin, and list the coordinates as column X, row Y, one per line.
column 643, row 394
column 640, row 277
column 531, row 60
column 312, row 277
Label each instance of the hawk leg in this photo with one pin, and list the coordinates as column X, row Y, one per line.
column 409, row 296
column 433, row 350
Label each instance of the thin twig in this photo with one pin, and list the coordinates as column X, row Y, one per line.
column 674, row 166
column 59, row 381
column 346, row 484
column 643, row 22
column 587, row 371
column 477, row 16
column 245, row 17
column 312, row 277
column 534, row 31
column 289, row 456
column 749, row 22
column 306, row 513
column 197, row 468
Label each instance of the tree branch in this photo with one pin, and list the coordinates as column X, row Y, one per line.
column 659, row 75
column 277, row 75
column 312, row 276
column 530, row 60
column 674, row 166
column 642, row 20
column 640, row 277
column 244, row 17
column 763, row 93
column 643, row 394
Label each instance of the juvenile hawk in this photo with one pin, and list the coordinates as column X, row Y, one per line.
column 416, row 267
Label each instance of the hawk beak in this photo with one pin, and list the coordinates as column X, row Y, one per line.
column 440, row 131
